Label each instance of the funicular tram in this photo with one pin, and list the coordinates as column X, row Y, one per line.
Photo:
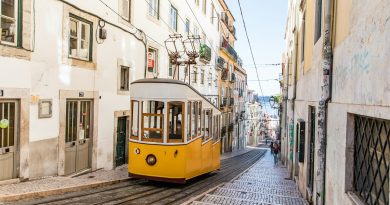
column 174, row 131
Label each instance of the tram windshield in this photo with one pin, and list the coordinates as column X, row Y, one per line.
column 153, row 121
column 175, row 121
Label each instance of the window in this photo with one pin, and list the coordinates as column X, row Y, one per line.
column 197, row 2
column 152, row 121
column 173, row 18
column 152, row 60
column 207, row 124
column 195, row 75
column 134, row 119
column 175, row 121
column 80, row 33
column 212, row 13
column 199, row 114
column 318, row 21
column 9, row 22
column 125, row 75
column 187, row 27
column 371, row 159
column 170, row 70
column 126, row 9
column 210, row 78
column 202, row 77
column 196, row 31
column 188, row 121
column 204, row 7
column 194, row 109
column 311, row 132
column 154, row 8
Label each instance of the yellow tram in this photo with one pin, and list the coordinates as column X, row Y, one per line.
column 174, row 131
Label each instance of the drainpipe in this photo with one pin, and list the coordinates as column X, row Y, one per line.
column 323, row 104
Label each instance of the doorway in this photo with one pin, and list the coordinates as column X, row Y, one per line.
column 8, row 139
column 312, row 120
column 121, row 141
column 78, row 134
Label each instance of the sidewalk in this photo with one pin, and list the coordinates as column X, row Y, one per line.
column 60, row 184
column 264, row 183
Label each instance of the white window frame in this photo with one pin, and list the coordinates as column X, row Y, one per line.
column 127, row 86
column 153, row 8
column 128, row 10
column 16, row 12
column 196, row 30
column 173, row 17
column 188, row 24
column 79, row 24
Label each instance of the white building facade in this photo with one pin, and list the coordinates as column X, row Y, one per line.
column 65, row 77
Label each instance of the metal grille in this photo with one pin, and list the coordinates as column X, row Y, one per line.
column 371, row 160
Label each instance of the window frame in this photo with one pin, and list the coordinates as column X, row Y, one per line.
column 143, row 129
column 168, row 122
column 129, row 10
column 133, row 137
column 127, row 84
column 318, row 21
column 189, row 121
column 187, row 26
column 155, row 68
column 85, row 22
column 18, row 22
column 155, row 11
column 172, row 11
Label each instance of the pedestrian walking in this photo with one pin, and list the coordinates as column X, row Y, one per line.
column 271, row 146
column 276, row 150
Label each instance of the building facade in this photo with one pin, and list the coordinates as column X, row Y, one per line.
column 62, row 69
column 336, row 118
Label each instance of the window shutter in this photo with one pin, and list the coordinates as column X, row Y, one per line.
column 301, row 142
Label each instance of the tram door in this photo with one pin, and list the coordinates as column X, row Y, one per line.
column 8, row 139
column 121, row 142
column 78, row 133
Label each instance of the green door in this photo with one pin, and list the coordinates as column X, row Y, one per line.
column 121, row 142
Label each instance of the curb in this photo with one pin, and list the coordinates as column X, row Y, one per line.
column 221, row 185
column 30, row 195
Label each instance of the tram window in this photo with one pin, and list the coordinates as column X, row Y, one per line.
column 175, row 121
column 210, row 124
column 152, row 121
column 204, row 137
column 189, row 121
column 193, row 119
column 134, row 119
column 207, row 124
column 199, row 127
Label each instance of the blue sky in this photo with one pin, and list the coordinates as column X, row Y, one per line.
column 265, row 21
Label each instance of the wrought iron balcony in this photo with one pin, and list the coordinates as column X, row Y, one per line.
column 231, row 127
column 221, row 62
column 223, row 102
column 205, row 53
column 233, row 77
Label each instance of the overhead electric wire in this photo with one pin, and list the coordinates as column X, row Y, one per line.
column 250, row 47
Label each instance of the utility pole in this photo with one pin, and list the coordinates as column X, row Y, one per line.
column 323, row 104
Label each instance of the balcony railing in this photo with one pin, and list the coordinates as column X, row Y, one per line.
column 205, row 53
column 220, row 62
column 233, row 77
column 223, row 102
column 225, row 45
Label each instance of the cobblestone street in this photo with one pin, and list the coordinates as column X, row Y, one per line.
column 264, row 183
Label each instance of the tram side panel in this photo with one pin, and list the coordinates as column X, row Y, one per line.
column 194, row 163
column 216, row 155
column 207, row 157
column 170, row 161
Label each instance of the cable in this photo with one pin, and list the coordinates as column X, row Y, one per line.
column 250, row 47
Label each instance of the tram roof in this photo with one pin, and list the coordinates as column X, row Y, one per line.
column 172, row 81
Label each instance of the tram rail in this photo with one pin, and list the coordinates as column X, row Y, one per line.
column 140, row 191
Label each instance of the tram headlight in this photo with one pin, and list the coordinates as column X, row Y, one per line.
column 151, row 160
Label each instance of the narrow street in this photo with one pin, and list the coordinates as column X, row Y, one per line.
column 138, row 191
column 263, row 183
